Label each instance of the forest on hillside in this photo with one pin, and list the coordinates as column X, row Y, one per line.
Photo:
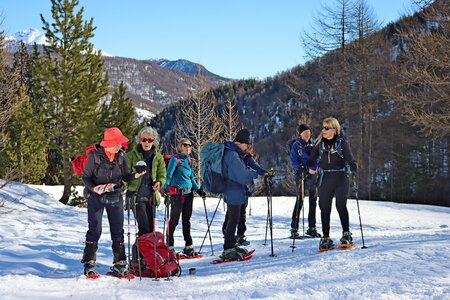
column 389, row 87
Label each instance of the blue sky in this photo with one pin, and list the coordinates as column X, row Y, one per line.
column 235, row 39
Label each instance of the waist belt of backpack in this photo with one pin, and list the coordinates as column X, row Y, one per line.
column 322, row 172
column 175, row 191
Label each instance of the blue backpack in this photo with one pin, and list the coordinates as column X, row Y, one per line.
column 211, row 156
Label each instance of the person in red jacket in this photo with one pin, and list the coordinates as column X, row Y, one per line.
column 106, row 168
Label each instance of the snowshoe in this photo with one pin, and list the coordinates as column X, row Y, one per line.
column 119, row 269
column 346, row 238
column 242, row 240
column 235, row 253
column 189, row 251
column 89, row 270
column 312, row 232
column 326, row 244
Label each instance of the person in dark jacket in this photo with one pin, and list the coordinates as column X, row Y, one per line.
column 142, row 191
column 103, row 174
column 300, row 151
column 180, row 185
column 335, row 159
column 238, row 177
column 241, row 239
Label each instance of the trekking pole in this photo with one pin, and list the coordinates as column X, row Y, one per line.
column 167, row 213
column 154, row 234
column 267, row 222
column 136, row 239
column 269, row 201
column 249, row 207
column 129, row 235
column 303, row 203
column 297, row 203
column 355, row 188
column 209, row 226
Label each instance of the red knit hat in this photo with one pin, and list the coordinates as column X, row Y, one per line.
column 112, row 137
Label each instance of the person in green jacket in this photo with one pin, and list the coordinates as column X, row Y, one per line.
column 141, row 192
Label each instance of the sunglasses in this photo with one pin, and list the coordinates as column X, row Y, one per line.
column 144, row 140
column 186, row 145
column 327, row 128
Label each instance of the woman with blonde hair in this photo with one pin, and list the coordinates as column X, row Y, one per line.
column 336, row 162
column 180, row 185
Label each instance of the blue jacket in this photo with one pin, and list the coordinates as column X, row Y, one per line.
column 249, row 161
column 300, row 152
column 183, row 178
column 237, row 174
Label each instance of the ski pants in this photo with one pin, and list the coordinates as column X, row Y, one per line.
column 241, row 227
column 334, row 184
column 144, row 217
column 183, row 208
column 233, row 212
column 310, row 185
column 114, row 210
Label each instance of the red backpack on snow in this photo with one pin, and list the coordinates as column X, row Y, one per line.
column 164, row 265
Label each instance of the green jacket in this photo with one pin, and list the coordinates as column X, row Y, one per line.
column 158, row 170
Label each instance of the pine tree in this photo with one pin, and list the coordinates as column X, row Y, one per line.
column 68, row 84
column 119, row 112
column 25, row 152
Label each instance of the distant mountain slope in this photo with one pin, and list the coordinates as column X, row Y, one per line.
column 152, row 84
column 186, row 66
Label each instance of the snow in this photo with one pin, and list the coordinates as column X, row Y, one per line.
column 41, row 243
column 33, row 35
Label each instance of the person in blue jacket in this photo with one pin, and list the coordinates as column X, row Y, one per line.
column 249, row 161
column 300, row 151
column 180, row 183
column 238, row 177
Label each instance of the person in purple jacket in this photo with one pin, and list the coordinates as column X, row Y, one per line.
column 300, row 149
column 241, row 239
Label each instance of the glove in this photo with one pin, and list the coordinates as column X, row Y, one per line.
column 201, row 193
column 271, row 172
column 353, row 166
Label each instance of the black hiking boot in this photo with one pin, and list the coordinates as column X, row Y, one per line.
column 326, row 243
column 89, row 268
column 232, row 254
column 312, row 232
column 189, row 251
column 241, row 250
column 346, row 238
column 120, row 268
column 294, row 234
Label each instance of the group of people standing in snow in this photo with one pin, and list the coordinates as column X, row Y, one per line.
column 323, row 163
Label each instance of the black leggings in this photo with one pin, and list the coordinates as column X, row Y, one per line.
column 310, row 185
column 179, row 207
column 334, row 184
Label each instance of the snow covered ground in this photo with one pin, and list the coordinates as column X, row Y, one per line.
column 41, row 243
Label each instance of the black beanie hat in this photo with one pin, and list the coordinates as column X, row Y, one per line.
column 243, row 136
column 302, row 128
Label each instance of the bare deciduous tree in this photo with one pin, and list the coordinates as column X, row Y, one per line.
column 198, row 121
column 423, row 69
